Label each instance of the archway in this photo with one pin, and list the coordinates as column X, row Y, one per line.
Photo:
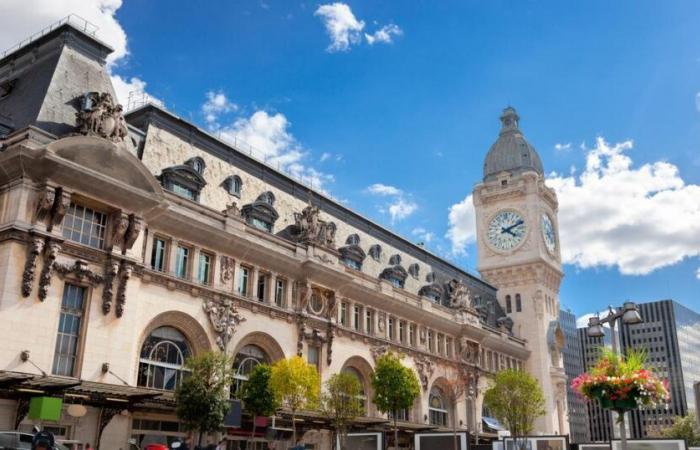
column 362, row 370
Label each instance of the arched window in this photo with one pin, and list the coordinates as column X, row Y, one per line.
column 163, row 356
column 243, row 364
column 233, row 185
column 518, row 303
column 268, row 197
column 362, row 397
column 509, row 305
column 437, row 407
column 197, row 164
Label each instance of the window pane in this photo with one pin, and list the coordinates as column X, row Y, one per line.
column 69, row 330
column 85, row 226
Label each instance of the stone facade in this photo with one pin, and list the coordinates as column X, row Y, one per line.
column 141, row 241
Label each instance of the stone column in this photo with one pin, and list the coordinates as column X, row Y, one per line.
column 172, row 257
column 255, row 278
column 236, row 276
column 271, row 288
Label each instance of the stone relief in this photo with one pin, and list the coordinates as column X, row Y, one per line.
column 227, row 266
column 330, row 336
column 425, row 368
column 305, row 293
column 35, row 249
column 132, row 233
column 378, row 350
column 100, row 116
column 51, row 206
column 310, row 229
column 459, row 295
column 112, row 268
column 125, row 230
column 50, row 253
column 469, row 351
column 125, row 271
column 380, row 322
column 232, row 210
column 224, row 319
column 81, row 270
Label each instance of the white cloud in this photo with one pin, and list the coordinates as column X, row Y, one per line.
column 268, row 137
column 562, row 147
column 424, row 235
column 217, row 104
column 697, row 274
column 324, row 156
column 462, row 225
column 22, row 18
column 341, row 25
column 401, row 208
column 636, row 219
column 384, row 34
column 383, row 189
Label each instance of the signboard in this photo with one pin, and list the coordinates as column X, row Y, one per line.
column 432, row 441
column 650, row 444
column 363, row 441
column 45, row 408
column 233, row 416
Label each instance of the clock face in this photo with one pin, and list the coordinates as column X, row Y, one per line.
column 550, row 238
column 506, row 230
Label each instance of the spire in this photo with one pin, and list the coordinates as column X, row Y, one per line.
column 509, row 120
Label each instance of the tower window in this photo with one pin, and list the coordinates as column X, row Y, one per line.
column 509, row 305
column 518, row 303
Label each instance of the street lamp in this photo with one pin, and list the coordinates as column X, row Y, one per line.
column 629, row 315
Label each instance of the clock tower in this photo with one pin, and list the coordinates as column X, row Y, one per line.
column 518, row 252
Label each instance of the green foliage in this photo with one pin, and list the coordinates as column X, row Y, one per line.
column 295, row 385
column 613, row 365
column 684, row 428
column 395, row 385
column 516, row 399
column 340, row 402
column 257, row 397
column 202, row 396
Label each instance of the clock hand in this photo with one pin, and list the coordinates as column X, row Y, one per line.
column 508, row 229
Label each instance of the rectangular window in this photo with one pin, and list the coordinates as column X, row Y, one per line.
column 314, row 356
column 431, row 346
column 69, row 330
column 279, row 292
column 448, row 347
column 369, row 321
column 204, row 272
column 262, row 287
column 412, row 335
column 182, row 259
column 440, row 344
column 390, row 328
column 158, row 254
column 243, row 275
column 85, row 225
column 401, row 331
column 356, row 317
column 344, row 314
column 183, row 191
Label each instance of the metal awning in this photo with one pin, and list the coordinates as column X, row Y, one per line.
column 493, row 424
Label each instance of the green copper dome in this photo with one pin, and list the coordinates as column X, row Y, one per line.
column 511, row 152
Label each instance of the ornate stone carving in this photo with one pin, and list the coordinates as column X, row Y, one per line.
column 80, row 270
column 422, row 333
column 125, row 271
column 50, row 253
column 232, row 210
column 333, row 303
column 132, row 232
column 459, row 295
column 378, row 350
column 111, row 270
column 469, row 351
column 330, row 334
column 425, row 368
column 305, row 293
column 380, row 322
column 35, row 249
column 310, row 229
column 51, row 206
column 301, row 332
column 224, row 319
column 120, row 223
column 227, row 265
column 100, row 116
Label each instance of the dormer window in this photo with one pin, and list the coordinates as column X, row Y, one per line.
column 395, row 260
column 352, row 254
column 414, row 270
column 233, row 185
column 396, row 275
column 261, row 214
column 183, row 180
column 197, row 164
column 375, row 252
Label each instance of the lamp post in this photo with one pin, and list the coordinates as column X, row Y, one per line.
column 629, row 315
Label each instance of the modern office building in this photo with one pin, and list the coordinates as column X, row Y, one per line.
column 574, row 366
column 129, row 242
column 600, row 424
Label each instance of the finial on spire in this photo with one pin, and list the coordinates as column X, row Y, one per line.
column 509, row 119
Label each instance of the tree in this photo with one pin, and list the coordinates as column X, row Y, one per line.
column 395, row 387
column 257, row 397
column 202, row 397
column 454, row 389
column 684, row 428
column 516, row 399
column 295, row 385
column 340, row 403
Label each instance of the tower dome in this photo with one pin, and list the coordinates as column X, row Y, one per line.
column 511, row 152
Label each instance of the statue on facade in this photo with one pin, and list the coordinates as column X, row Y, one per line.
column 459, row 295
column 227, row 265
column 469, row 351
column 425, row 368
column 224, row 319
column 100, row 116
column 310, row 229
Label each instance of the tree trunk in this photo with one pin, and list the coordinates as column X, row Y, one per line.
column 199, row 439
column 294, row 429
column 396, row 434
column 454, row 427
column 252, row 435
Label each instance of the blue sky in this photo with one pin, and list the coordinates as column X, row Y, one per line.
column 416, row 110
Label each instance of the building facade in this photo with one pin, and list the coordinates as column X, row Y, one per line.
column 573, row 366
column 129, row 242
column 600, row 423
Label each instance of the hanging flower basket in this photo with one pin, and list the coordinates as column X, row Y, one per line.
column 622, row 384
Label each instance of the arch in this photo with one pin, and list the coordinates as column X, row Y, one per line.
column 365, row 370
column 263, row 340
column 186, row 324
column 439, row 407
